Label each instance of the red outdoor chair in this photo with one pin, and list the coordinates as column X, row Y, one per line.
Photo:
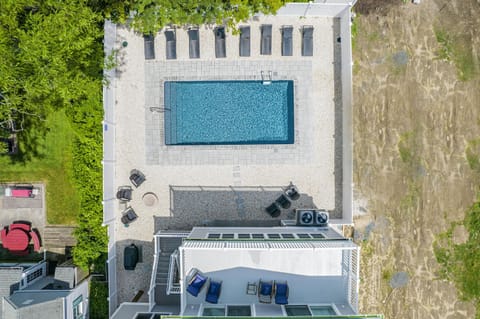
column 36, row 240
column 25, row 227
column 4, row 238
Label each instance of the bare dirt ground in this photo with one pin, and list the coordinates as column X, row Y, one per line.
column 414, row 119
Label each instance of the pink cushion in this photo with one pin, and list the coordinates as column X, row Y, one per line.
column 21, row 192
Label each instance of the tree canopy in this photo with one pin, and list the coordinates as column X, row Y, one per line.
column 149, row 16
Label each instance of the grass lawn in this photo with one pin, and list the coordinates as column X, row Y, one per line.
column 47, row 157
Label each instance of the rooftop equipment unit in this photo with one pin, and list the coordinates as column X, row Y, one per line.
column 311, row 217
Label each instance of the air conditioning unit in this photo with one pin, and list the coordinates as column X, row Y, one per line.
column 311, row 217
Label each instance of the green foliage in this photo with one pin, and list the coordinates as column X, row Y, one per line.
column 453, row 48
column 460, row 263
column 472, row 153
column 98, row 300
column 149, row 16
column 49, row 145
column 405, row 146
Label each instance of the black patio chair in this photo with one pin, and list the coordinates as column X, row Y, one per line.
column 292, row 192
column 137, row 178
column 283, row 201
column 273, row 210
column 128, row 216
column 124, row 193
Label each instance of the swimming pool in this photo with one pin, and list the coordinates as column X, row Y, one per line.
column 228, row 112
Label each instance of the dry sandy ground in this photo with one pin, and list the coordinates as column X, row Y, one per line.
column 413, row 121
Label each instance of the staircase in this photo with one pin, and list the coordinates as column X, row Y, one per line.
column 168, row 245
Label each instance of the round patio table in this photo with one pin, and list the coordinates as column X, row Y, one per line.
column 17, row 240
column 149, row 199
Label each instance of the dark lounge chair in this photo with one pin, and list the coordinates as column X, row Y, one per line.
column 220, row 48
column 128, row 216
column 307, row 40
column 266, row 39
column 287, row 42
column 244, row 41
column 265, row 291
column 196, row 282
column 281, row 293
column 292, row 192
column 194, row 43
column 273, row 210
column 171, row 44
column 137, row 178
column 283, row 201
column 213, row 292
column 124, row 193
column 149, row 46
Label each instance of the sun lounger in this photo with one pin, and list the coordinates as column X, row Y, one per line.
column 171, row 44
column 265, row 291
column 196, row 282
column 307, row 40
column 194, row 43
column 273, row 210
column 213, row 292
column 244, row 41
column 220, row 48
column 149, row 46
column 283, row 201
column 281, row 293
column 287, row 43
column 266, row 39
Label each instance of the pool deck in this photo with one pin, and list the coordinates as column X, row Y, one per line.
column 139, row 141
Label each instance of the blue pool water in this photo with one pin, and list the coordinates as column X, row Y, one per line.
column 228, row 112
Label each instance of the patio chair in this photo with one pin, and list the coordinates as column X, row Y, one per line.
column 213, row 292
column 196, row 282
column 20, row 224
column 194, row 43
column 124, row 193
column 266, row 39
column 128, row 216
column 244, row 45
column 281, row 292
column 220, row 47
column 149, row 46
column 307, row 40
column 283, row 201
column 265, row 291
column 137, row 178
column 292, row 192
column 171, row 44
column 36, row 239
column 273, row 210
column 287, row 43
column 3, row 236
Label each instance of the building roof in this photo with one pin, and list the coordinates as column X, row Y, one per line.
column 26, row 298
column 9, row 281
